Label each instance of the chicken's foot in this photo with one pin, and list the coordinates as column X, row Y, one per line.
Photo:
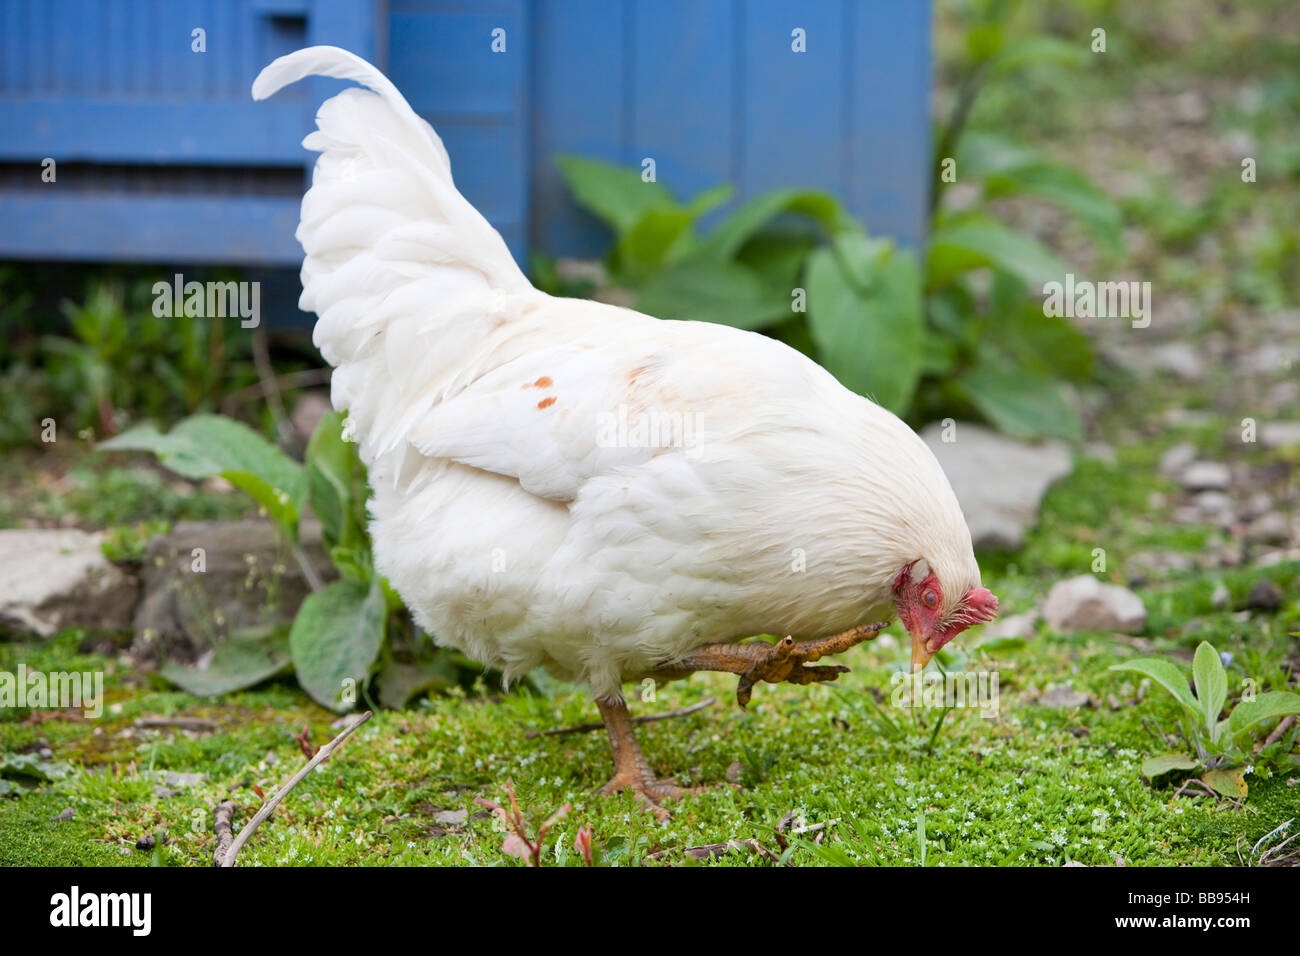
column 783, row 661
column 631, row 769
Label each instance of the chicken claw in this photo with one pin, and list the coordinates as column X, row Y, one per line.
column 775, row 663
column 631, row 770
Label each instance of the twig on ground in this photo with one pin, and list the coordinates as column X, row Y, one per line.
column 1278, row 731
column 271, row 387
column 222, row 817
column 269, row 806
column 197, row 724
column 713, row 850
column 646, row 719
column 287, row 382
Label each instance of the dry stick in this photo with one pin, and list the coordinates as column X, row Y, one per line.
column 181, row 723
column 287, row 382
column 270, row 387
column 647, row 719
column 1286, row 724
column 221, row 826
column 269, row 806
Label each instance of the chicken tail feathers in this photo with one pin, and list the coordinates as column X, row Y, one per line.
column 406, row 278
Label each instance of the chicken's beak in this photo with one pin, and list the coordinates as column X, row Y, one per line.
column 920, row 654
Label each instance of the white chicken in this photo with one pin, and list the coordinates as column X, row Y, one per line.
column 567, row 484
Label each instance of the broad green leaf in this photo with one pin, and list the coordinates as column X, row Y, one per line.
column 241, row 661
column 983, row 153
column 1007, row 166
column 1039, row 50
column 1017, row 400
column 336, row 483
column 1273, row 705
column 1069, row 189
column 721, row 292
column 616, row 194
column 647, row 246
column 1230, row 783
column 335, row 639
column 663, row 236
column 206, row 445
column 1167, row 675
column 976, row 242
column 739, row 227
column 1211, row 686
column 279, row 505
column 399, row 681
column 1153, row 767
column 861, row 257
column 777, row 256
column 32, row 766
column 984, row 41
column 870, row 338
column 1050, row 344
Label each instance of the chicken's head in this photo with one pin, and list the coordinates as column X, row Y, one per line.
column 931, row 618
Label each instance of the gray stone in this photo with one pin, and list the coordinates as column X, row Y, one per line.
column 999, row 481
column 307, row 413
column 1178, row 358
column 1063, row 696
column 1016, row 625
column 1214, row 503
column 52, row 579
column 248, row 580
column 1176, row 458
column 1264, row 596
column 1278, row 434
column 1086, row 604
column 1221, row 597
column 1280, row 556
column 1272, row 527
column 180, row 780
column 451, row 818
column 1206, row 476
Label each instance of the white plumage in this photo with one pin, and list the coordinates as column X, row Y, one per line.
column 513, row 514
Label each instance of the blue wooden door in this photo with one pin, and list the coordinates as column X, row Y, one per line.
column 465, row 67
column 716, row 91
column 160, row 153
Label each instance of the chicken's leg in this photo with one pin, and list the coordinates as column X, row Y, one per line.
column 631, row 769
column 759, row 661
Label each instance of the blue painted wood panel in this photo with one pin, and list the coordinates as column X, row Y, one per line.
column 714, row 92
column 711, row 89
column 440, row 55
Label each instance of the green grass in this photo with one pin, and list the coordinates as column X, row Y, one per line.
column 1034, row 785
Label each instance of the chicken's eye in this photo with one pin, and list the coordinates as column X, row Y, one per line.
column 930, row 599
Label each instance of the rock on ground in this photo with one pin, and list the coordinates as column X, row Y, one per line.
column 1279, row 434
column 1206, row 476
column 51, row 579
column 1014, row 625
column 998, row 481
column 1086, row 604
column 248, row 579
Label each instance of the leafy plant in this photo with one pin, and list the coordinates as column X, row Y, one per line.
column 347, row 630
column 1220, row 746
column 918, row 335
